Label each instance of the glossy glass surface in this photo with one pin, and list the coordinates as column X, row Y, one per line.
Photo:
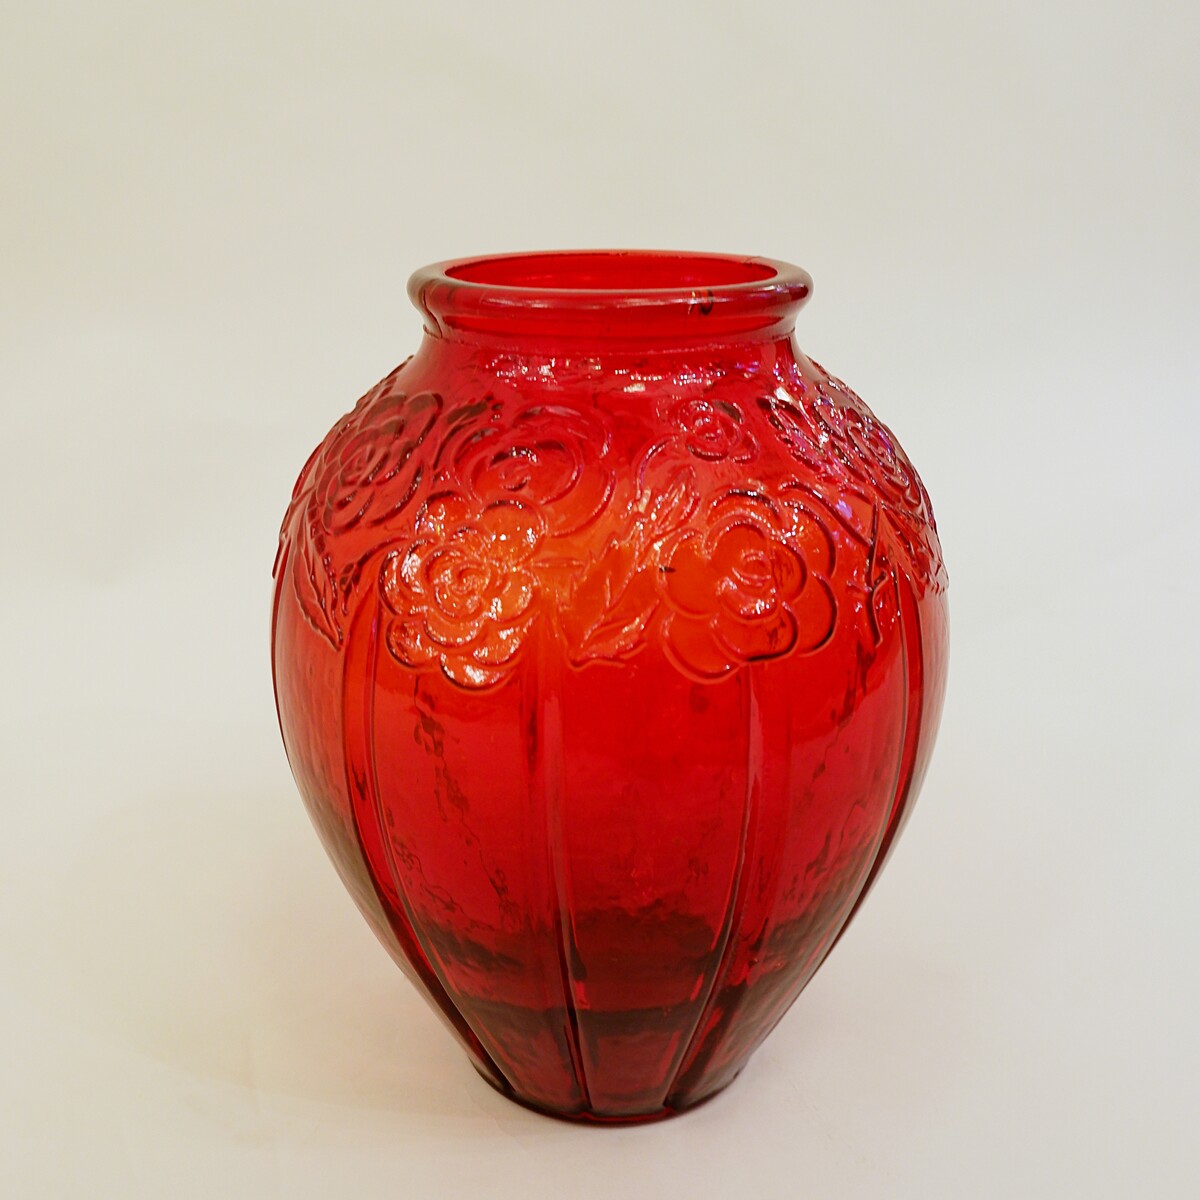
column 609, row 641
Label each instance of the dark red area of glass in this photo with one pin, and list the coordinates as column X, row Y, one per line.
column 609, row 644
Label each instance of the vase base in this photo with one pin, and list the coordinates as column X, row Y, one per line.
column 585, row 1117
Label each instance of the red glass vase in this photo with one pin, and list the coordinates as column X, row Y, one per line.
column 609, row 641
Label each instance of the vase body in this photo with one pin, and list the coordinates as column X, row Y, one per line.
column 609, row 642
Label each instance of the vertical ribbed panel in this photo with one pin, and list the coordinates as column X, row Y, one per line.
column 358, row 704
column 654, row 813
column 727, row 942
column 547, row 737
column 812, row 852
column 900, row 794
column 914, row 687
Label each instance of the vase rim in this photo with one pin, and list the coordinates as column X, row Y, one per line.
column 642, row 295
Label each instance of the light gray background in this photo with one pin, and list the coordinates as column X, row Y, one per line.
column 207, row 217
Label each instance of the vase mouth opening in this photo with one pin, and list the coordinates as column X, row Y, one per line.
column 644, row 296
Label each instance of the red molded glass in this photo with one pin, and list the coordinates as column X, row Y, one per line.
column 609, row 644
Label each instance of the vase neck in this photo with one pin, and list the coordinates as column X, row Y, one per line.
column 533, row 367
column 609, row 302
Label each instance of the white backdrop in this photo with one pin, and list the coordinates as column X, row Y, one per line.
column 207, row 218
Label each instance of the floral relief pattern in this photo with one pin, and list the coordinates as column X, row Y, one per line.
column 480, row 519
column 555, row 457
column 714, row 430
column 364, row 474
column 829, row 430
column 740, row 590
column 462, row 593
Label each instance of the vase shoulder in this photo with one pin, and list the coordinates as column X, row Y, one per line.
column 711, row 504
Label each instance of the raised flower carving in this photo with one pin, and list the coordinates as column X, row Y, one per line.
column 479, row 519
column 866, row 447
column 870, row 454
column 741, row 589
column 365, row 473
column 553, row 457
column 714, row 430
column 370, row 474
column 462, row 593
column 859, row 465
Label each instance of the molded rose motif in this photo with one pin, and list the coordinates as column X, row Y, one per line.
column 741, row 588
column 518, row 517
column 366, row 472
column 870, row 453
column 462, row 593
column 369, row 477
column 553, row 457
column 714, row 430
column 866, row 447
column 830, row 430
